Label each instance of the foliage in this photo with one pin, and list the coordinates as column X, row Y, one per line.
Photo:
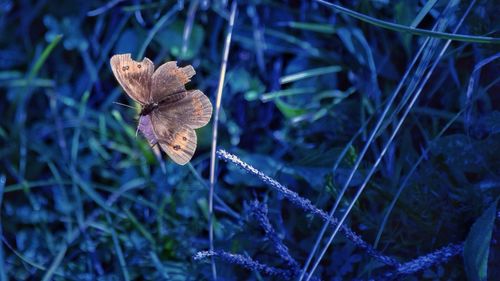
column 83, row 198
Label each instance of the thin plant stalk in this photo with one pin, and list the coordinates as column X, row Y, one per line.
column 214, row 136
column 389, row 142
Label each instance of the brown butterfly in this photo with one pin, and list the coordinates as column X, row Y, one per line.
column 169, row 113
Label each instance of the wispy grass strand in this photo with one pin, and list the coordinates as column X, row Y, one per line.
column 259, row 212
column 245, row 262
column 220, row 88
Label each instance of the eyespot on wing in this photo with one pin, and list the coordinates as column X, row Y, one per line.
column 180, row 144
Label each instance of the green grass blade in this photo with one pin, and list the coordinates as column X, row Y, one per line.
column 118, row 249
column 43, row 57
column 159, row 24
column 140, row 227
column 477, row 244
column 159, row 266
column 406, row 29
column 76, row 136
column 288, row 92
column 91, row 193
column 408, row 177
column 3, row 276
column 306, row 46
column 35, row 82
column 309, row 73
column 55, row 264
column 310, row 26
column 26, row 259
column 34, row 184
column 423, row 12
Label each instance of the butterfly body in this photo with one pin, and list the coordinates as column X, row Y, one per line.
column 148, row 108
column 169, row 113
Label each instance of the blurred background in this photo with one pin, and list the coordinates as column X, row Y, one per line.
column 83, row 198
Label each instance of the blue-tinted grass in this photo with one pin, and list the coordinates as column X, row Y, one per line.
column 306, row 86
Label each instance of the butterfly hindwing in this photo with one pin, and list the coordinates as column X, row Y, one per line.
column 194, row 109
column 134, row 76
column 178, row 141
column 200, row 108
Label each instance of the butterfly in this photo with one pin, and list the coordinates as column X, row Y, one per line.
column 169, row 113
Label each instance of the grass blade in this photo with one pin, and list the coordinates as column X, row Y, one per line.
column 55, row 264
column 406, row 29
column 423, row 12
column 309, row 73
column 43, row 57
column 155, row 30
column 3, row 276
column 313, row 27
column 118, row 249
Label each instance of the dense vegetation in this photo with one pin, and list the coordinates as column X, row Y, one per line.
column 321, row 100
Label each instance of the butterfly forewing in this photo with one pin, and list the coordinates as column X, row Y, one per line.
column 172, row 98
column 135, row 77
column 169, row 79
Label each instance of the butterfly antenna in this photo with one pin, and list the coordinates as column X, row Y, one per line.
column 122, row 104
